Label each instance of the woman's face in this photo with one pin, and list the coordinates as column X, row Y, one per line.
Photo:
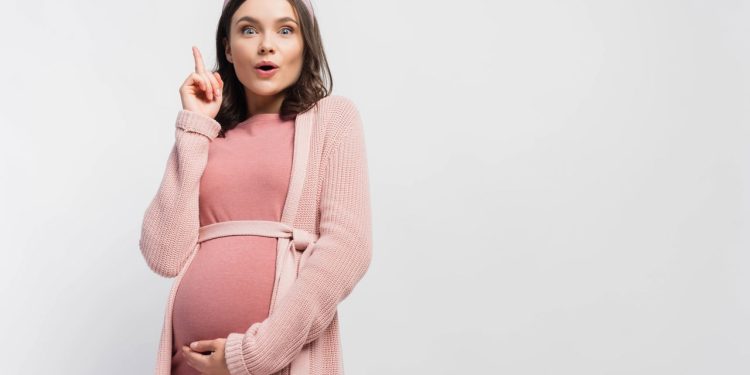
column 265, row 30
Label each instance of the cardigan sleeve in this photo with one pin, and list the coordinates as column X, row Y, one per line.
column 341, row 257
column 170, row 223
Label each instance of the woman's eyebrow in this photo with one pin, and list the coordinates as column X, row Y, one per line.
column 253, row 20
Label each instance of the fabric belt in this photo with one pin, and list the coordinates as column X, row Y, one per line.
column 299, row 237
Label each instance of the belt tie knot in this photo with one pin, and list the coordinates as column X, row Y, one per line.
column 302, row 238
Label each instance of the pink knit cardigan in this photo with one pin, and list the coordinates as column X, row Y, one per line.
column 328, row 201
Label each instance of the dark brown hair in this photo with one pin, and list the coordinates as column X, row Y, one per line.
column 299, row 96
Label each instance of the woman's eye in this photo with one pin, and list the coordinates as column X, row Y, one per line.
column 287, row 28
column 247, row 28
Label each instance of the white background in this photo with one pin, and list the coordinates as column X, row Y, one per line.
column 558, row 187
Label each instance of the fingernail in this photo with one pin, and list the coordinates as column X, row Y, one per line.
column 192, row 345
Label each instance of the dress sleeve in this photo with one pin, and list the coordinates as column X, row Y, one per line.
column 171, row 221
column 341, row 257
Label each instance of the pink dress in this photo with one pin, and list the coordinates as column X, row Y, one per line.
column 246, row 178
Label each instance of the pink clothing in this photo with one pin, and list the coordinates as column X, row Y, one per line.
column 229, row 283
column 326, row 216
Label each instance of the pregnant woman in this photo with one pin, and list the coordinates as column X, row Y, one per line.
column 263, row 213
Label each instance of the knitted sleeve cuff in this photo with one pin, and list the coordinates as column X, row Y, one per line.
column 198, row 123
column 233, row 354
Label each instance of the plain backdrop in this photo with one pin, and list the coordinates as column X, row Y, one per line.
column 558, row 187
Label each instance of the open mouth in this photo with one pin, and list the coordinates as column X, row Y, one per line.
column 266, row 69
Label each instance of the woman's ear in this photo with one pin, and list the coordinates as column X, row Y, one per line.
column 228, row 51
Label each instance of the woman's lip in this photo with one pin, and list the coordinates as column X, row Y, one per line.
column 266, row 73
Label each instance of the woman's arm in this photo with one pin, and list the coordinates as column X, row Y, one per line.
column 170, row 223
column 340, row 259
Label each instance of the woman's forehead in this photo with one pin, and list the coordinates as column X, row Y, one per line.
column 265, row 10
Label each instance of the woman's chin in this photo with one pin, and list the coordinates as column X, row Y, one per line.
column 265, row 89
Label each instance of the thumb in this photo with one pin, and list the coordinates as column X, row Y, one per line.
column 201, row 346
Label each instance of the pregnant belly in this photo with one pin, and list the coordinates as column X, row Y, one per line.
column 226, row 288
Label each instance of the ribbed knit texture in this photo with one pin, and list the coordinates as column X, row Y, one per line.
column 335, row 205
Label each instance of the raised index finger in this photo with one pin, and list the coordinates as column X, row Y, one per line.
column 198, row 60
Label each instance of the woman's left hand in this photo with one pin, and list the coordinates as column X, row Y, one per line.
column 207, row 364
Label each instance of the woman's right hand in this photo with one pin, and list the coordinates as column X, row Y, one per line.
column 202, row 91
